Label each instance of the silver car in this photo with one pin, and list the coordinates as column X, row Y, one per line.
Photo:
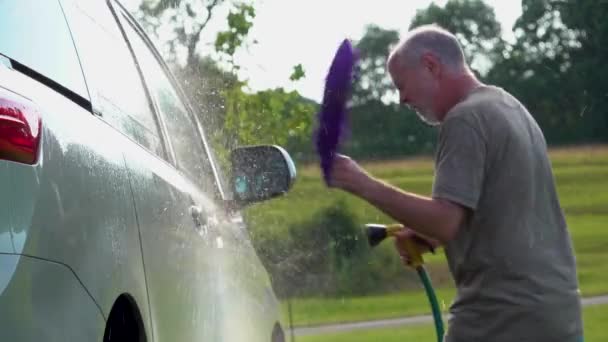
column 114, row 224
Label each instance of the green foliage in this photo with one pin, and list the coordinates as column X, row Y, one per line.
column 373, row 82
column 185, row 18
column 240, row 21
column 472, row 21
column 557, row 68
column 324, row 255
column 381, row 131
column 231, row 116
column 380, row 128
column 581, row 176
column 269, row 116
column 298, row 73
column 303, row 261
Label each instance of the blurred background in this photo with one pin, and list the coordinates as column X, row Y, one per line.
column 255, row 71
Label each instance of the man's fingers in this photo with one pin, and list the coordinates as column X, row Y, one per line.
column 399, row 246
column 421, row 241
column 404, row 233
column 403, row 254
column 424, row 243
column 406, row 261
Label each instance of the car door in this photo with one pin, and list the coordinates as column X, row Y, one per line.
column 71, row 217
column 205, row 282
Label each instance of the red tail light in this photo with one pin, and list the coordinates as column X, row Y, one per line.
column 19, row 129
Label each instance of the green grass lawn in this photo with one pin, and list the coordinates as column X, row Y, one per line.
column 582, row 180
column 324, row 310
column 594, row 326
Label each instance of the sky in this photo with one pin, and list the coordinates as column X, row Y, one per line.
column 291, row 32
column 308, row 32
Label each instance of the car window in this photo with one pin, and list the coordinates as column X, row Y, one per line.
column 186, row 142
column 117, row 90
column 35, row 34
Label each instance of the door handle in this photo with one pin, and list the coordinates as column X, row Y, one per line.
column 199, row 218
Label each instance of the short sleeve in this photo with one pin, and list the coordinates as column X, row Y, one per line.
column 460, row 163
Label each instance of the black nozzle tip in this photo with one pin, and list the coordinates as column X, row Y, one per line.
column 375, row 234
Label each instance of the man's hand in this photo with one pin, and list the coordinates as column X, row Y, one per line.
column 424, row 244
column 347, row 175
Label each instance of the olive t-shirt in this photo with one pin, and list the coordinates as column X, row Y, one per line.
column 512, row 260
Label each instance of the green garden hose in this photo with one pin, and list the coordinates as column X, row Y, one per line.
column 376, row 233
column 430, row 293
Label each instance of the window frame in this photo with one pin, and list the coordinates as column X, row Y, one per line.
column 164, row 154
column 73, row 85
column 118, row 9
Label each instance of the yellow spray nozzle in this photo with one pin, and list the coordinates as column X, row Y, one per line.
column 376, row 233
column 414, row 253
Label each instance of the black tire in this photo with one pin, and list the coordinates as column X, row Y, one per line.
column 124, row 323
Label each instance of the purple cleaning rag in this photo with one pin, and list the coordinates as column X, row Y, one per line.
column 332, row 118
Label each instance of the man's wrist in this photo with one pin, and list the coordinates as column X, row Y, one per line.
column 368, row 188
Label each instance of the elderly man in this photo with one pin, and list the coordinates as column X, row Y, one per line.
column 494, row 205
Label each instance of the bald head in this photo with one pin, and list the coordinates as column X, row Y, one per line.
column 429, row 71
column 429, row 39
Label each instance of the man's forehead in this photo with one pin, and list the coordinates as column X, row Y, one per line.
column 394, row 66
column 400, row 72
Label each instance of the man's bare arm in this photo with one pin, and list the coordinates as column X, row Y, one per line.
column 435, row 218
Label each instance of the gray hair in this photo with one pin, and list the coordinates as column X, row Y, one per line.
column 430, row 38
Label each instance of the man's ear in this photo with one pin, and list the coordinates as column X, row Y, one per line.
column 431, row 63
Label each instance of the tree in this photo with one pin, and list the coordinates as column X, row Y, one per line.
column 270, row 116
column 380, row 128
column 474, row 24
column 373, row 82
column 187, row 19
column 232, row 116
column 206, row 86
column 556, row 67
column 587, row 61
column 201, row 77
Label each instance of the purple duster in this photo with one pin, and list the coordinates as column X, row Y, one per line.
column 332, row 118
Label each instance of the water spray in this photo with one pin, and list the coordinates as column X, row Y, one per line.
column 377, row 233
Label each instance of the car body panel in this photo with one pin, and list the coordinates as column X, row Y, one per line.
column 204, row 278
column 98, row 216
column 44, row 301
column 75, row 206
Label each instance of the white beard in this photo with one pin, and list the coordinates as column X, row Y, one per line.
column 428, row 118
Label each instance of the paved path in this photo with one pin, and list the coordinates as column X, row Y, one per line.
column 385, row 323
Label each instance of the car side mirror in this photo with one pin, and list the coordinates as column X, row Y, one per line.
column 260, row 173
